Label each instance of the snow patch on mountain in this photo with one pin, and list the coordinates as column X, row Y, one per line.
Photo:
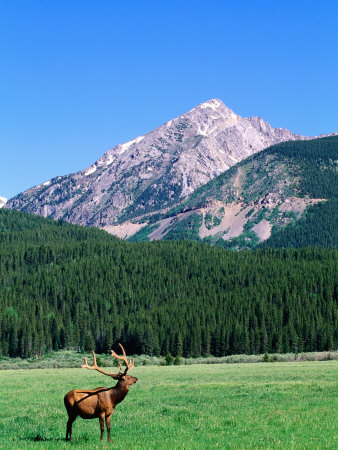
column 110, row 160
column 205, row 130
column 127, row 145
column 90, row 171
column 212, row 104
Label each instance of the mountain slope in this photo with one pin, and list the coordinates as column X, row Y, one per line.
column 255, row 198
column 155, row 171
column 317, row 227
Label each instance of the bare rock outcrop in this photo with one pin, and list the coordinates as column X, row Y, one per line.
column 3, row 201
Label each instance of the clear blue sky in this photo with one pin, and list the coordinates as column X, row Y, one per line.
column 79, row 77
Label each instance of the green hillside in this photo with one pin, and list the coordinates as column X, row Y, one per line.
column 65, row 286
column 259, row 197
column 318, row 227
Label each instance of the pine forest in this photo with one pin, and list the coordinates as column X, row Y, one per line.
column 66, row 286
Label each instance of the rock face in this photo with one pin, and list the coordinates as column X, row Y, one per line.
column 155, row 171
column 3, row 201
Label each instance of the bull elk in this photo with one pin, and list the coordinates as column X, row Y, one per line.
column 100, row 402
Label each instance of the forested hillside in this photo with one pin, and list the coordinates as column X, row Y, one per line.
column 255, row 199
column 318, row 227
column 64, row 286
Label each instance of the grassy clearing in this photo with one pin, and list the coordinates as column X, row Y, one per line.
column 271, row 405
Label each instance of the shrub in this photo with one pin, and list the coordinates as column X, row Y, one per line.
column 100, row 361
column 177, row 361
column 169, row 359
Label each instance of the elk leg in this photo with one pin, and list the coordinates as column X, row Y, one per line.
column 69, row 428
column 108, row 426
column 101, row 418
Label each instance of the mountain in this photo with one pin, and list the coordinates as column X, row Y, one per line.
column 69, row 286
column 152, row 172
column 3, row 201
column 257, row 198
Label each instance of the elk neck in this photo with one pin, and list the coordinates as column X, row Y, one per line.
column 119, row 391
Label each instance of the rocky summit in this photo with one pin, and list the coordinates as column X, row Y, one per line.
column 153, row 172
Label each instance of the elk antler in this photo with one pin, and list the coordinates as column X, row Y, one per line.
column 116, row 376
column 129, row 364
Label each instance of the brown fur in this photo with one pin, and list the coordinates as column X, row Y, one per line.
column 100, row 402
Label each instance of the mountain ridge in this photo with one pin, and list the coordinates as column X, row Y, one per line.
column 154, row 171
column 256, row 198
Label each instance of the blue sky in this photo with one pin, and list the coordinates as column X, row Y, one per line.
column 79, row 77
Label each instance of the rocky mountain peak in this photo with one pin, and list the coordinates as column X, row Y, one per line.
column 215, row 105
column 154, row 171
column 212, row 112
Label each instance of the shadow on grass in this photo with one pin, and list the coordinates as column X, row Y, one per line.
column 39, row 438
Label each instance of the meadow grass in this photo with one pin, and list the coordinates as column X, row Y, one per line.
column 263, row 405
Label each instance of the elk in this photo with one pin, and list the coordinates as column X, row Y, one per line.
column 100, row 402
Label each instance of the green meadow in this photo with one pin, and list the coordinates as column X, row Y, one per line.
column 263, row 405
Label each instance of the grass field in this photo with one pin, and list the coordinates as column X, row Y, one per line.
column 271, row 405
